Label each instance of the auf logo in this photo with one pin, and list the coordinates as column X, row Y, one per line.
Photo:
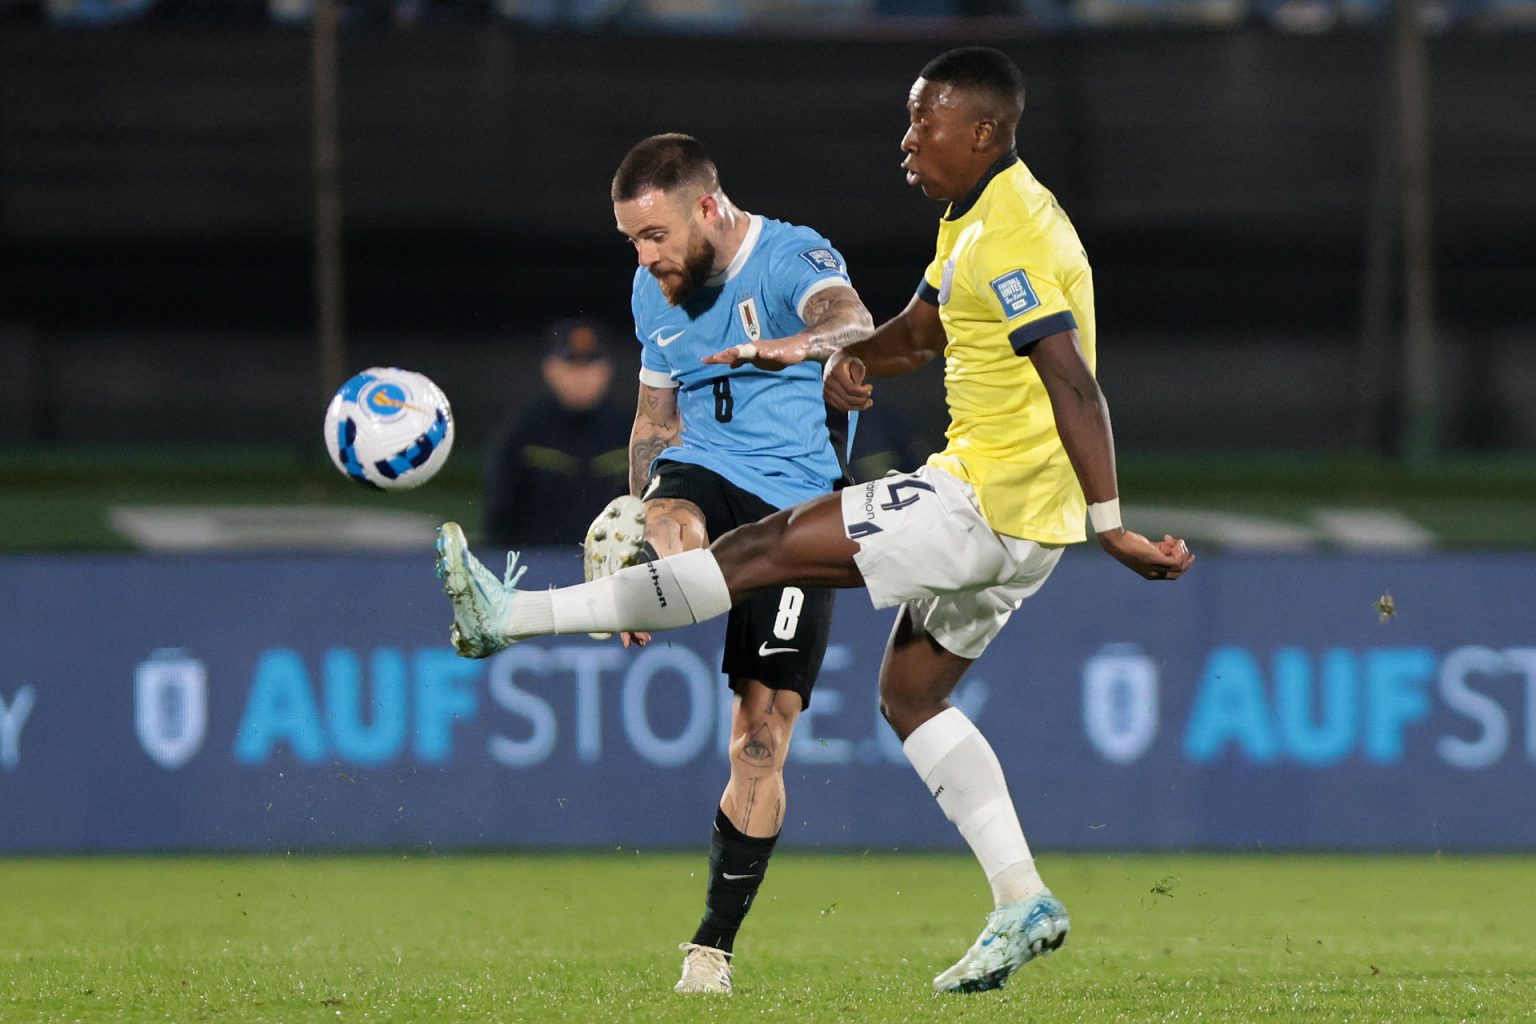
column 1120, row 702
column 170, row 706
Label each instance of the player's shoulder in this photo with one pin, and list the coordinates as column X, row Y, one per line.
column 786, row 234
column 803, row 248
column 1025, row 224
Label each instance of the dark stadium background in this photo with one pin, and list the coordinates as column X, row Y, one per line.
column 242, row 775
column 1329, row 394
column 156, row 208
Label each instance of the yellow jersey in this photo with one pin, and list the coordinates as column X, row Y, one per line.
column 1008, row 271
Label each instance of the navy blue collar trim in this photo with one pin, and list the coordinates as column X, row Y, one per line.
column 960, row 209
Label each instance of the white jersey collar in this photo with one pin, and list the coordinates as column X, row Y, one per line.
column 754, row 230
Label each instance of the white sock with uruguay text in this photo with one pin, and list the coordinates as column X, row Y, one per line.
column 664, row 594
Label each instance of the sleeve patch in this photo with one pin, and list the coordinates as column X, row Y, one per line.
column 822, row 260
column 1015, row 293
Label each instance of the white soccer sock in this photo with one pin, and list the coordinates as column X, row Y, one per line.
column 664, row 594
column 957, row 764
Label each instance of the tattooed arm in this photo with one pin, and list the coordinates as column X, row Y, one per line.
column 657, row 428
column 834, row 317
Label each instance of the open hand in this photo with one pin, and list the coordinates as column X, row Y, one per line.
column 774, row 354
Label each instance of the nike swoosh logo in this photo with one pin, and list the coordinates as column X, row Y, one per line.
column 656, row 336
column 765, row 650
column 734, row 878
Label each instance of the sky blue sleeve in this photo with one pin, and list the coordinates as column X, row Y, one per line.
column 809, row 262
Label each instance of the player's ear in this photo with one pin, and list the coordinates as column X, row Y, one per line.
column 707, row 207
column 984, row 131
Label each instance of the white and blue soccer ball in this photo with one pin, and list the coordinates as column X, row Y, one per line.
column 389, row 428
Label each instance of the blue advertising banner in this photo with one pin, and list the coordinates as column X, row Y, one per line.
column 311, row 702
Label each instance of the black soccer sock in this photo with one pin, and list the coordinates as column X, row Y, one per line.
column 647, row 553
column 737, row 863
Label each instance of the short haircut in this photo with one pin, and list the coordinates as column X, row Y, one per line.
column 985, row 72
column 664, row 163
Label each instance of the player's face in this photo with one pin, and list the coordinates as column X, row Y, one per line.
column 940, row 143
column 669, row 240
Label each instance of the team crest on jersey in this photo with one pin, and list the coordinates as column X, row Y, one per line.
column 822, row 260
column 749, row 322
column 1015, row 293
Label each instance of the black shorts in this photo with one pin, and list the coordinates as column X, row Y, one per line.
column 777, row 637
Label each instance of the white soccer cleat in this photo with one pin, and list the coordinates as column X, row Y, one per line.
column 705, row 969
column 1015, row 934
column 615, row 539
column 482, row 604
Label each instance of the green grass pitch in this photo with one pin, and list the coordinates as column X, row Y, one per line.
column 833, row 938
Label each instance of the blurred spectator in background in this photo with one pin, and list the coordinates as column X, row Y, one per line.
column 403, row 13
column 587, row 13
column 1292, row 16
column 1120, row 13
column 95, row 12
column 559, row 461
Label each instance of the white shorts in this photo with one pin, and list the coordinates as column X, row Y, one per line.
column 923, row 542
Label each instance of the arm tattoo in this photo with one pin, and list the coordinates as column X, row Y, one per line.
column 642, row 452
column 657, row 428
column 835, row 318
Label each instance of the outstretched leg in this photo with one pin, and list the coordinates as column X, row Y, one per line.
column 803, row 546
column 800, row 546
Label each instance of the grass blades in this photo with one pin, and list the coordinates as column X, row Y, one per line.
column 833, row 938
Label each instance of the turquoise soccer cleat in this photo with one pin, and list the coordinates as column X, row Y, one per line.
column 482, row 604
column 1015, row 934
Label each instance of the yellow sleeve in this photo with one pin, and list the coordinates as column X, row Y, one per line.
column 1019, row 284
column 933, row 279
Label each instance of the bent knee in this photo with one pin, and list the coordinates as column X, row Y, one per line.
column 672, row 532
column 760, row 751
column 896, row 704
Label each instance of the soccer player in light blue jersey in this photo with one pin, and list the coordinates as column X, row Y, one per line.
column 719, row 442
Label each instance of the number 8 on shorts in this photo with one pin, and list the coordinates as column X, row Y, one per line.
column 788, row 619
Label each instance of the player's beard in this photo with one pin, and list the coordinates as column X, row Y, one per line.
column 677, row 286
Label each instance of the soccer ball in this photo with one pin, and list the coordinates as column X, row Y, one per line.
column 389, row 428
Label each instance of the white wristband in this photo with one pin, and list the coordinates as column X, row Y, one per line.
column 1105, row 515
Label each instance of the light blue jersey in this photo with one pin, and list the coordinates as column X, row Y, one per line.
column 767, row 432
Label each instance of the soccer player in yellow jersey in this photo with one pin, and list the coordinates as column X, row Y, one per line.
column 960, row 543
